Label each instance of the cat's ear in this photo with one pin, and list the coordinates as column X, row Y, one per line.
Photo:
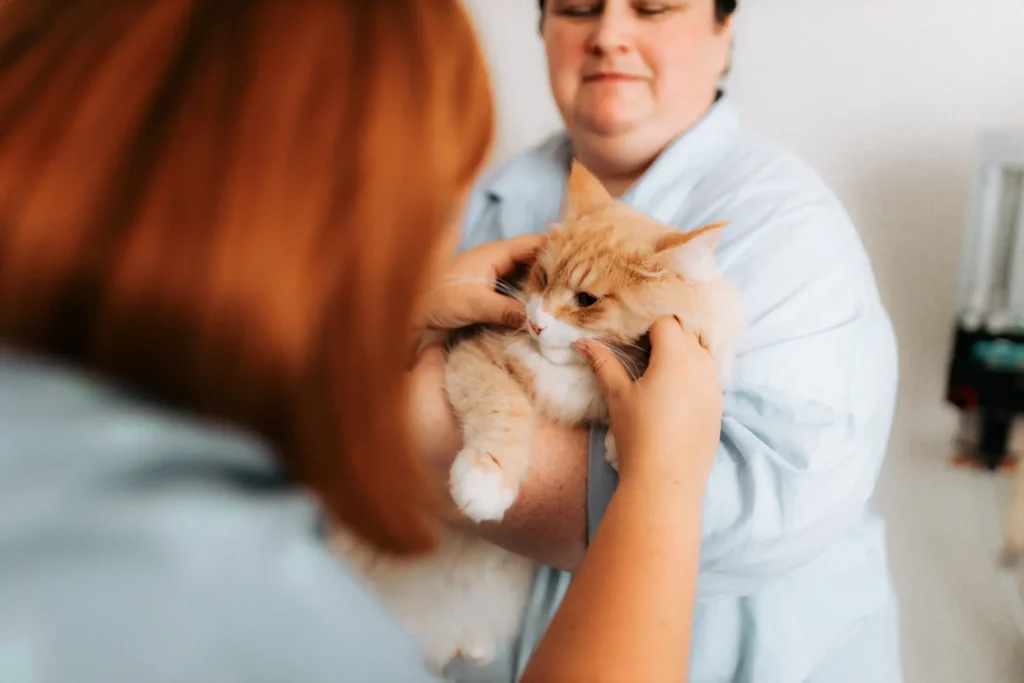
column 691, row 254
column 585, row 195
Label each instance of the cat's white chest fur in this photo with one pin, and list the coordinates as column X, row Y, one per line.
column 564, row 393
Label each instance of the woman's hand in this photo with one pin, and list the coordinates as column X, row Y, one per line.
column 630, row 605
column 666, row 425
column 464, row 294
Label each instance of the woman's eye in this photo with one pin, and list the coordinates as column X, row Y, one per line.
column 586, row 9
column 585, row 299
column 650, row 9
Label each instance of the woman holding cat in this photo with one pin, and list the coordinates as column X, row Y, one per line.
column 213, row 222
column 794, row 581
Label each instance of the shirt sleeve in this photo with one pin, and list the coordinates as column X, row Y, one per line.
column 191, row 565
column 807, row 417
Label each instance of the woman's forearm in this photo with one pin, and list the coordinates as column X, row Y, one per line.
column 628, row 614
column 548, row 521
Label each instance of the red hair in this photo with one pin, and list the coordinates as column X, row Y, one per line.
column 229, row 206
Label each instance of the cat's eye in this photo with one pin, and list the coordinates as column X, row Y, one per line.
column 585, row 299
column 542, row 277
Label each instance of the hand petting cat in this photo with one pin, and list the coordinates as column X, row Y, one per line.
column 462, row 294
column 677, row 404
column 465, row 292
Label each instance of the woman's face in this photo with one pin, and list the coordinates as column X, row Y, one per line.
column 634, row 67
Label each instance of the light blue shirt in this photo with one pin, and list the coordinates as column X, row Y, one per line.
column 794, row 584
column 138, row 546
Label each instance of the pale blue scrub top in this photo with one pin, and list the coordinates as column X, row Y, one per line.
column 138, row 546
column 794, row 585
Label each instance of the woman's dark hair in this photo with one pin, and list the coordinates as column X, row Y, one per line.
column 723, row 8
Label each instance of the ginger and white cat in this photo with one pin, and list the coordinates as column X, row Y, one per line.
column 608, row 273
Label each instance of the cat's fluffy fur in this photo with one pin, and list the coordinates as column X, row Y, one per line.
column 607, row 274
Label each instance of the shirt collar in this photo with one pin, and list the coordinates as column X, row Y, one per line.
column 662, row 187
column 666, row 185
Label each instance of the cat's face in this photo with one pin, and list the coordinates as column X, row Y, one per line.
column 610, row 272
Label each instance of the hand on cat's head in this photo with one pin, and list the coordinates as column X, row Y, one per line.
column 466, row 292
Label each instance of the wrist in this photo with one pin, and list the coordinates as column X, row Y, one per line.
column 669, row 485
column 674, row 510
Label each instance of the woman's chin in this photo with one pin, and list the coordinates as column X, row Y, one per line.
column 612, row 118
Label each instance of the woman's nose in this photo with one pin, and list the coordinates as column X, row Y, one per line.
column 611, row 34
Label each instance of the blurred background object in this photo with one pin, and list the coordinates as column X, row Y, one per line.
column 887, row 101
column 986, row 377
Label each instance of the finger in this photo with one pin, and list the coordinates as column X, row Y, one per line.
column 499, row 309
column 508, row 253
column 612, row 375
column 427, row 354
column 669, row 343
column 431, row 358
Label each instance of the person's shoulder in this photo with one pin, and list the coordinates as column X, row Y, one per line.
column 206, row 563
column 807, row 283
column 773, row 197
column 762, row 173
column 536, row 165
column 789, row 244
column 523, row 193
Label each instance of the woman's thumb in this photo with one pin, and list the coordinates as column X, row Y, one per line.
column 501, row 310
column 611, row 374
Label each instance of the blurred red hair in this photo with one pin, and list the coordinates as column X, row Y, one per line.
column 229, row 206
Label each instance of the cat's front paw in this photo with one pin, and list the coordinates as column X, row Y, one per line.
column 478, row 486
column 611, row 453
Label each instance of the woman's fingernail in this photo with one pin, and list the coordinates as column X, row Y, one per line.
column 581, row 348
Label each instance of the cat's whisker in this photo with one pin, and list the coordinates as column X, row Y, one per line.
column 620, row 344
column 627, row 362
column 500, row 285
column 617, row 347
column 513, row 292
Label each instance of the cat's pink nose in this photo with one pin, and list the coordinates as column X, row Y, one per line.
column 537, row 329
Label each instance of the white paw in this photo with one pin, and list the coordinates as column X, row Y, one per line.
column 477, row 486
column 611, row 453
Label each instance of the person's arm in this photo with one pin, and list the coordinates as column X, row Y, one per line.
column 629, row 609
column 548, row 521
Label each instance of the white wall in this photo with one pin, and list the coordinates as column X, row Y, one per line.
column 883, row 97
column 526, row 113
